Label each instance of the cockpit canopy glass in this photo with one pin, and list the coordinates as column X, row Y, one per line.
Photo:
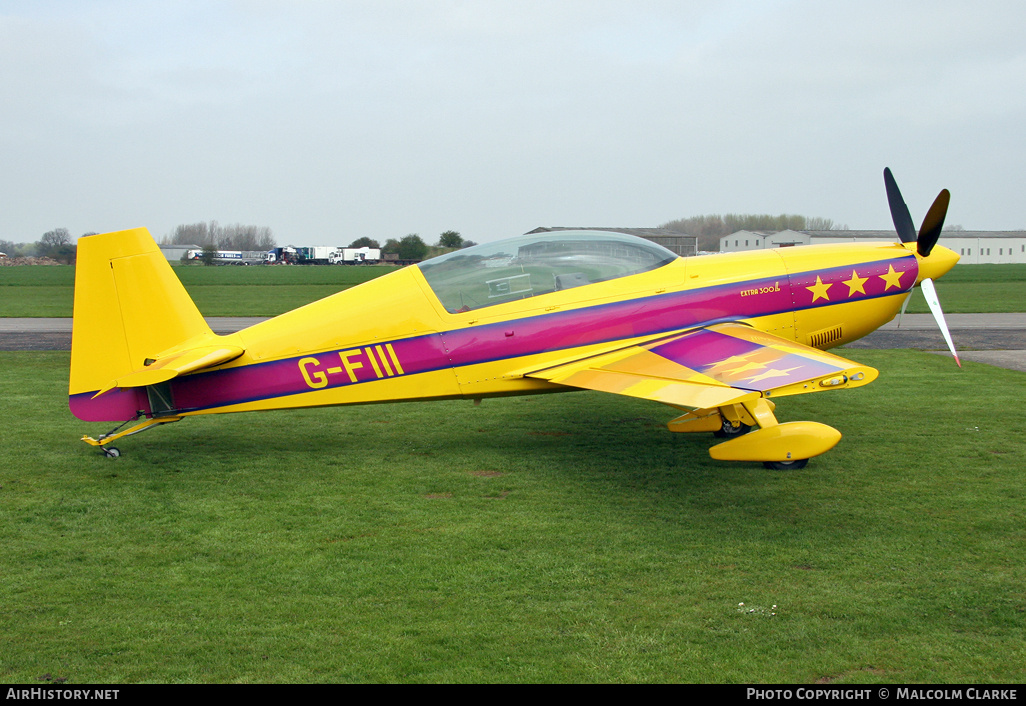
column 529, row 265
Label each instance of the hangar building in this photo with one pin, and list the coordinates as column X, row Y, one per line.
column 974, row 246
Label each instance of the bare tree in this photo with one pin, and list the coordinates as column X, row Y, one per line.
column 232, row 237
column 709, row 229
column 53, row 239
column 56, row 244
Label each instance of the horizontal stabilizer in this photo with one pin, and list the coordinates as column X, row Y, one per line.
column 175, row 364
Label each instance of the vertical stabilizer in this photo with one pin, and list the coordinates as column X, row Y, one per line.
column 129, row 306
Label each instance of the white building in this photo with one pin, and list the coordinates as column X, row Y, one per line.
column 973, row 246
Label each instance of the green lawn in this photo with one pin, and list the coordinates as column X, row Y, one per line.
column 558, row 538
column 217, row 291
column 268, row 291
column 978, row 289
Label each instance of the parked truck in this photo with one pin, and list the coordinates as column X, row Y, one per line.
column 229, row 257
column 315, row 255
column 281, row 256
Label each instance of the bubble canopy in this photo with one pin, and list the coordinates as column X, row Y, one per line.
column 530, row 265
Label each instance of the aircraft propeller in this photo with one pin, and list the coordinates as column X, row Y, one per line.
column 929, row 232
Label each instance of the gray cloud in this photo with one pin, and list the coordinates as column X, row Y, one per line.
column 327, row 121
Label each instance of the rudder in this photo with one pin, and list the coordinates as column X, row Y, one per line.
column 129, row 306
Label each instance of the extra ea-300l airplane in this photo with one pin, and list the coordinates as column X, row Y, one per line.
column 718, row 338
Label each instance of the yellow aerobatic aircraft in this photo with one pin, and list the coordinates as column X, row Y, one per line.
column 717, row 337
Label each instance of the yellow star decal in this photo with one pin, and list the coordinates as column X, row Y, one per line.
column 819, row 290
column 772, row 374
column 732, row 360
column 736, row 372
column 856, row 283
column 892, row 278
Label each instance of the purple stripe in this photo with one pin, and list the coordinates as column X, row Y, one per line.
column 614, row 321
column 285, row 377
column 112, row 406
column 663, row 313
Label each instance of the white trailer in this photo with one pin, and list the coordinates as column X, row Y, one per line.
column 221, row 257
column 356, row 256
column 315, row 255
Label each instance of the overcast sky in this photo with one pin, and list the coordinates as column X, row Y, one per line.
column 327, row 121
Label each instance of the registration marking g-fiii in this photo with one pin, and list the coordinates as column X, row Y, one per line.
column 309, row 373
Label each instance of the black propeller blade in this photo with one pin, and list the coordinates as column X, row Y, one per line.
column 933, row 223
column 930, row 231
column 899, row 211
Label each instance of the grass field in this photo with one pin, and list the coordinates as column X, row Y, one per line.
column 559, row 538
column 978, row 289
column 217, row 291
column 268, row 291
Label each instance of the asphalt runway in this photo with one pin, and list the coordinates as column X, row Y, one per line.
column 55, row 334
column 995, row 339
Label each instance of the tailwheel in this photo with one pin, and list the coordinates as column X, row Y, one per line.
column 114, row 452
column 786, row 465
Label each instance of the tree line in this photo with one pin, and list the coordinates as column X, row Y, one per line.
column 709, row 229
column 213, row 235
column 56, row 244
column 413, row 247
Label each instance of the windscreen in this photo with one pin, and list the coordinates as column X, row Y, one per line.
column 530, row 265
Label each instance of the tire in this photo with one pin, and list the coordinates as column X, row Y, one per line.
column 786, row 465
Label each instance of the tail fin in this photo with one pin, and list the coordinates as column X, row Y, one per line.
column 129, row 307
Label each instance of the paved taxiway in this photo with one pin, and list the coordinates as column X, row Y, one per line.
column 995, row 339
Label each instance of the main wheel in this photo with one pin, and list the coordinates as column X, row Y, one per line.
column 729, row 431
column 786, row 465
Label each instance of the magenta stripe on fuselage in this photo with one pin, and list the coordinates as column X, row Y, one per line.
column 560, row 330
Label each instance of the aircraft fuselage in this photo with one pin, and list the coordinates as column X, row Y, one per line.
column 392, row 339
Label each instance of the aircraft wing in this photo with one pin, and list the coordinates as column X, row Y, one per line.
column 710, row 367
